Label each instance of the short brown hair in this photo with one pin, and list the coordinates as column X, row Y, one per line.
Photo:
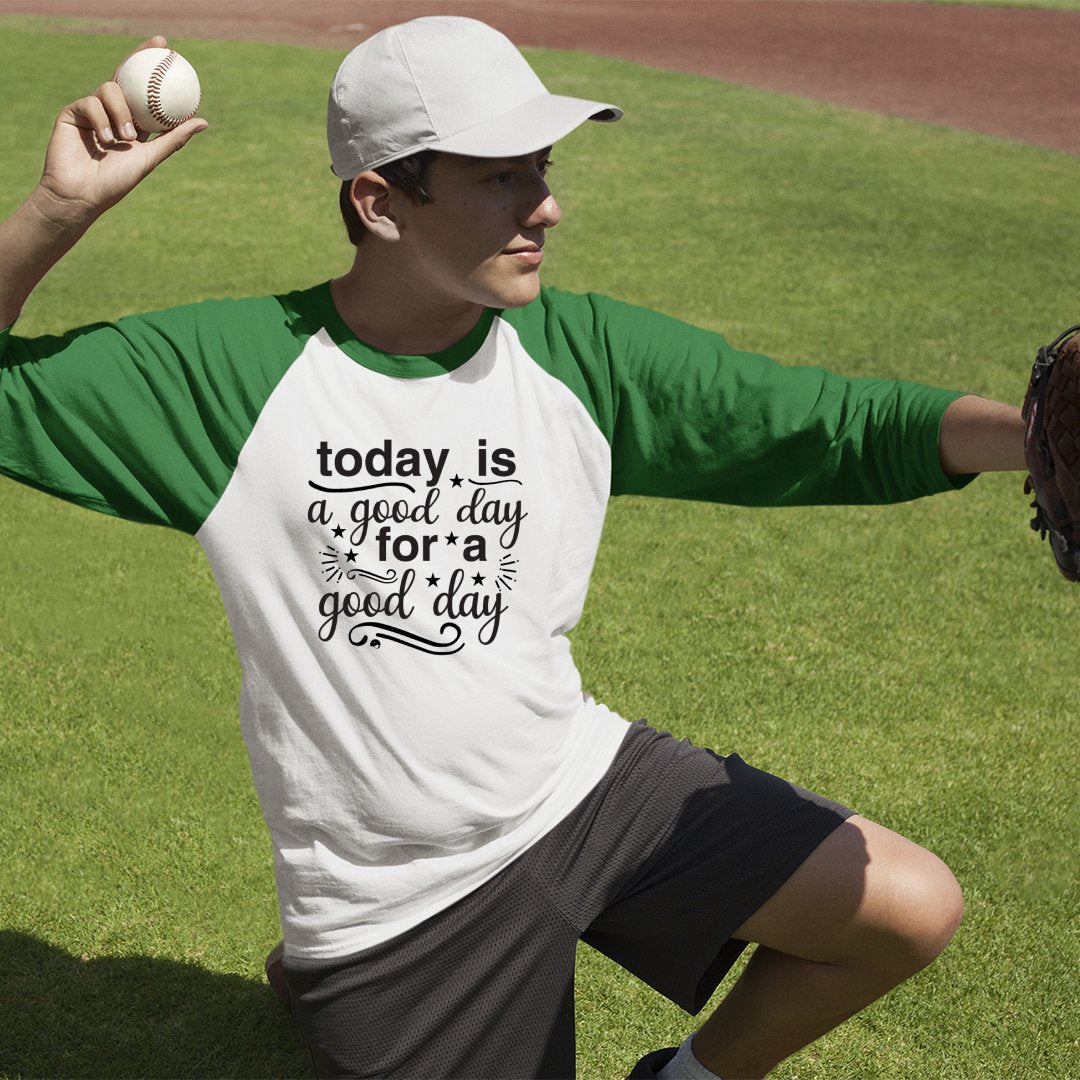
column 408, row 174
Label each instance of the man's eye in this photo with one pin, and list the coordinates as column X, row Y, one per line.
column 509, row 176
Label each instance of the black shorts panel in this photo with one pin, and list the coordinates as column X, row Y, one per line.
column 736, row 838
column 484, row 989
column 671, row 852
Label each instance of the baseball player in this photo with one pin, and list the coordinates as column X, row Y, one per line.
column 399, row 477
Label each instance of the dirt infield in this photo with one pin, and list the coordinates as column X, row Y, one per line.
column 989, row 69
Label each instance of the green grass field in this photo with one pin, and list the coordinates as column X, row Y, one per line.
column 905, row 660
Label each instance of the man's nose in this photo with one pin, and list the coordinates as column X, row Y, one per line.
column 544, row 214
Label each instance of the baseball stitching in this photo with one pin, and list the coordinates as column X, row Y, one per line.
column 153, row 93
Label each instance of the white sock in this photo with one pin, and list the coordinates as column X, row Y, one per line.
column 684, row 1066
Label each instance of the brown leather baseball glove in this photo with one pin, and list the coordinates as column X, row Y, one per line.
column 1052, row 448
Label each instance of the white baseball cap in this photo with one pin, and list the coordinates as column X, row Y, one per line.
column 444, row 83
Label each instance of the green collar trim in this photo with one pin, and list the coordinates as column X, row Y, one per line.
column 402, row 367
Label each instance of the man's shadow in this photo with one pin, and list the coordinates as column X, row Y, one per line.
column 136, row 1016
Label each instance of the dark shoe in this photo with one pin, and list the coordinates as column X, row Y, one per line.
column 275, row 976
column 651, row 1064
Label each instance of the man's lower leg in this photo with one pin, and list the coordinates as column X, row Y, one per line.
column 864, row 913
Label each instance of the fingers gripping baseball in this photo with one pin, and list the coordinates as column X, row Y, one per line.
column 97, row 154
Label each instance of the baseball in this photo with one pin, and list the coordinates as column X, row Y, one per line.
column 160, row 87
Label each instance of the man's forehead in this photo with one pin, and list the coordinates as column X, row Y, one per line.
column 486, row 163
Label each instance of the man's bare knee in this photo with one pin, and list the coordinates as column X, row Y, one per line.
column 866, row 898
column 910, row 908
column 926, row 906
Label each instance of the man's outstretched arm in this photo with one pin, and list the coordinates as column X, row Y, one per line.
column 93, row 160
column 978, row 435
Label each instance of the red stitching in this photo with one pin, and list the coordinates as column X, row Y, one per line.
column 153, row 93
column 153, row 88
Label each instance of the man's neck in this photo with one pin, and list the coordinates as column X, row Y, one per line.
column 383, row 311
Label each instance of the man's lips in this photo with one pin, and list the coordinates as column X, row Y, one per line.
column 527, row 254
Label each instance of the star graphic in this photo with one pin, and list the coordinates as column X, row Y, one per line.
column 339, row 531
column 433, row 580
column 478, row 579
column 455, row 481
column 451, row 538
column 350, row 555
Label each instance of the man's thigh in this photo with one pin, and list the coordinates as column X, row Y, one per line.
column 872, row 892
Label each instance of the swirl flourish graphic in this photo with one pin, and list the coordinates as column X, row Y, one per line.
column 385, row 632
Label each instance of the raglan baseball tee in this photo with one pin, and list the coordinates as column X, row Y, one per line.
column 402, row 544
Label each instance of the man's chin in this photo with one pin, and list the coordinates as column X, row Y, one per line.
column 523, row 292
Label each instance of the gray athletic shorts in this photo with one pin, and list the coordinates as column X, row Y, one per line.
column 668, row 855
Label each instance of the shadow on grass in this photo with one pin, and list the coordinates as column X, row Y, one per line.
column 137, row 1016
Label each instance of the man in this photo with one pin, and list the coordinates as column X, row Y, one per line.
column 400, row 478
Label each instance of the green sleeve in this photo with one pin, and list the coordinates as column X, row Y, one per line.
column 143, row 418
column 688, row 416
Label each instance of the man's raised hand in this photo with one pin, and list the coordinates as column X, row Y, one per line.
column 93, row 160
column 95, row 157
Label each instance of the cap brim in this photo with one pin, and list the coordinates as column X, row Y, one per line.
column 527, row 128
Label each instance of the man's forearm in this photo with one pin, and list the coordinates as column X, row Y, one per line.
column 978, row 435
column 32, row 241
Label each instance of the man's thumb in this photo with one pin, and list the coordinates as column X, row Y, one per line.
column 168, row 142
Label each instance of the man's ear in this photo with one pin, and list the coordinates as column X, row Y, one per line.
column 371, row 196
